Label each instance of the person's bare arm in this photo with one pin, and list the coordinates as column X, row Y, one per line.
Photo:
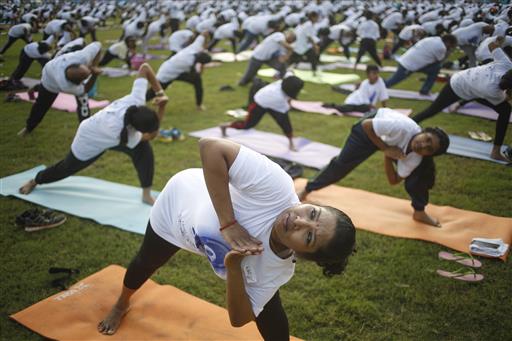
column 392, row 152
column 496, row 43
column 217, row 156
column 392, row 175
column 147, row 72
column 239, row 306
column 94, row 75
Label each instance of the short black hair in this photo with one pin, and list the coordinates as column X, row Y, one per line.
column 444, row 139
column 449, row 39
column 506, row 81
column 372, row 68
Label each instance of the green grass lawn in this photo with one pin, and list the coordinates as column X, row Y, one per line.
column 390, row 290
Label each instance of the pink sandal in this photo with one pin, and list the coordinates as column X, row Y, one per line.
column 463, row 274
column 461, row 258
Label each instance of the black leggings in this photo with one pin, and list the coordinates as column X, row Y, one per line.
column 447, row 97
column 310, row 56
column 370, row 46
column 44, row 101
column 142, row 158
column 191, row 77
column 24, row 63
column 12, row 40
column 255, row 115
column 156, row 251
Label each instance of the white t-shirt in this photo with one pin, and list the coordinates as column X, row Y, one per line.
column 226, row 31
column 32, row 51
column 482, row 81
column 102, row 130
column 20, row 30
column 408, row 32
column 258, row 24
column 304, row 33
column 392, row 21
column 470, row 35
column 368, row 93
column 269, row 46
column 336, row 31
column 54, row 72
column 206, row 25
column 119, row 49
column 260, row 190
column 178, row 39
column 181, row 62
column 397, row 130
column 368, row 29
column 273, row 97
column 69, row 47
column 54, row 26
column 425, row 52
column 482, row 52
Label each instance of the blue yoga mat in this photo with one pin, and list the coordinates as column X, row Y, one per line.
column 467, row 147
column 105, row 202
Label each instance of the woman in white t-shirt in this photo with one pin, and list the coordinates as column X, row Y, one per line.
column 489, row 84
column 126, row 125
column 402, row 141
column 274, row 99
column 242, row 213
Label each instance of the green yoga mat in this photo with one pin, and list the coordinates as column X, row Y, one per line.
column 320, row 78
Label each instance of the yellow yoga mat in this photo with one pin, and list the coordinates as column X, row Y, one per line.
column 158, row 312
column 393, row 217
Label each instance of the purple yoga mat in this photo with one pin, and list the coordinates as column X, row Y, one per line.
column 311, row 154
column 316, row 108
column 476, row 109
column 66, row 102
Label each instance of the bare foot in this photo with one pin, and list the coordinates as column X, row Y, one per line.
column 148, row 199
column 28, row 187
column 23, row 132
column 111, row 323
column 223, row 128
column 496, row 155
column 423, row 217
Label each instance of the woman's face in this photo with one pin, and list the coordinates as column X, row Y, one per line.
column 305, row 228
column 425, row 144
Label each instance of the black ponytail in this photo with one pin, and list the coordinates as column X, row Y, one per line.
column 126, row 121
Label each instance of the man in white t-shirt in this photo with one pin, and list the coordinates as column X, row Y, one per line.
column 403, row 141
column 241, row 212
column 490, row 85
column 230, row 31
column 256, row 26
column 34, row 51
column 306, row 45
column 20, row 31
column 273, row 51
column 66, row 73
column 125, row 125
column 369, row 93
column 273, row 98
column 426, row 57
column 182, row 67
column 469, row 37
column 342, row 34
column 178, row 40
column 123, row 50
column 408, row 36
column 484, row 55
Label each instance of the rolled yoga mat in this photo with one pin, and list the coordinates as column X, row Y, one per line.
column 157, row 312
column 66, row 102
column 115, row 72
column 393, row 217
column 319, row 78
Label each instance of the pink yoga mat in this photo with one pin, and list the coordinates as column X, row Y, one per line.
column 316, row 108
column 66, row 102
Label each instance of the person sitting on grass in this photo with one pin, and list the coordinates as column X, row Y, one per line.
column 126, row 125
column 403, row 142
column 371, row 91
column 241, row 212
column 273, row 98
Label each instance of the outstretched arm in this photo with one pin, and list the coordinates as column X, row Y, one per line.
column 217, row 156
column 239, row 306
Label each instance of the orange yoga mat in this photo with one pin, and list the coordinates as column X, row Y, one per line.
column 393, row 217
column 158, row 312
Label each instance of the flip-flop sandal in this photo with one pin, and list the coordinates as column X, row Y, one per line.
column 462, row 275
column 474, row 135
column 484, row 137
column 461, row 258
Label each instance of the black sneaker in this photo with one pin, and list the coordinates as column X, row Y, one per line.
column 36, row 219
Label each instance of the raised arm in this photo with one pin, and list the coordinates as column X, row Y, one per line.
column 392, row 152
column 239, row 306
column 217, row 156
column 145, row 71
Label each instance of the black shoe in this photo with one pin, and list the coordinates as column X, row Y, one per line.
column 36, row 219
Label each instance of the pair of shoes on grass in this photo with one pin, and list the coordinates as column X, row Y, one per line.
column 480, row 136
column 36, row 219
column 467, row 273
